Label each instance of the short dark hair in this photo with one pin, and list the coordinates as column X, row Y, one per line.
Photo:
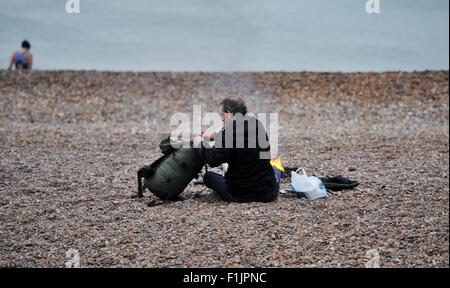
column 234, row 105
column 26, row 44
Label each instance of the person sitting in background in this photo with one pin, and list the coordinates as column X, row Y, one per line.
column 22, row 58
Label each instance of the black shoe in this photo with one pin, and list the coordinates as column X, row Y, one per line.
column 338, row 183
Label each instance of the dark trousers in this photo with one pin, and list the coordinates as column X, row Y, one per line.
column 217, row 183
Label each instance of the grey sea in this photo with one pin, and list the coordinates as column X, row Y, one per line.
column 229, row 35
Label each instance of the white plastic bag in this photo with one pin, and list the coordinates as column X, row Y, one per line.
column 311, row 186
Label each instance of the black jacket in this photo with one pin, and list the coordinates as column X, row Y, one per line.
column 248, row 176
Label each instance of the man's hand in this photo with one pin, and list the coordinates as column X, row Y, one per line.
column 208, row 135
column 197, row 140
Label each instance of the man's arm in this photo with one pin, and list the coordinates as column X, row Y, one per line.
column 215, row 156
column 212, row 155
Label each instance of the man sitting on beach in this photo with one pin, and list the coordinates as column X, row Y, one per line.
column 249, row 177
column 22, row 58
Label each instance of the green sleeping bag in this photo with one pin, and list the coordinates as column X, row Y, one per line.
column 168, row 176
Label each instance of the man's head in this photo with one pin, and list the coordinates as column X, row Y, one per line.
column 231, row 106
column 26, row 44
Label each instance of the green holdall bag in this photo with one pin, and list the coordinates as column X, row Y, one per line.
column 168, row 176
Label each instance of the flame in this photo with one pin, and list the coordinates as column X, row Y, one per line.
column 277, row 163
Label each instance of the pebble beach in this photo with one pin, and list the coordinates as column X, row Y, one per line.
column 72, row 141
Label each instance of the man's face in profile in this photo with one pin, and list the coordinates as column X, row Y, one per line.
column 224, row 115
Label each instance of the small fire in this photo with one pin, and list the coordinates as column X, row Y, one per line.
column 277, row 163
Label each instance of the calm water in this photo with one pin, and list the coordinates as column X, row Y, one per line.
column 225, row 35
